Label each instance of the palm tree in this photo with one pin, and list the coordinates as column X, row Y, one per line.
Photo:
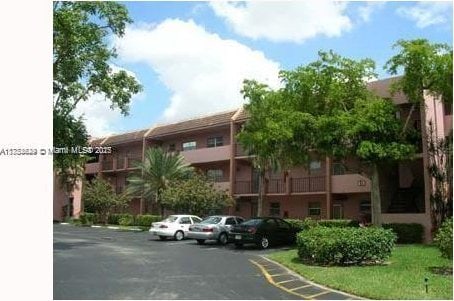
column 158, row 169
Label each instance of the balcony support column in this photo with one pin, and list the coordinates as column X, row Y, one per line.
column 328, row 187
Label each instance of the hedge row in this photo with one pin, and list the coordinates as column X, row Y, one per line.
column 309, row 223
column 345, row 245
column 123, row 219
column 407, row 233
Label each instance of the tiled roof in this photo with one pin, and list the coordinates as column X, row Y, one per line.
column 242, row 115
column 192, row 124
column 125, row 137
column 96, row 141
column 382, row 89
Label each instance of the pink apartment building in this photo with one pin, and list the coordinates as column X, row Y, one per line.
column 326, row 189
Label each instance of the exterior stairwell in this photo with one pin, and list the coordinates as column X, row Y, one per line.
column 404, row 201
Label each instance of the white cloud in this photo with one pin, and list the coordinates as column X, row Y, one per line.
column 365, row 11
column 99, row 118
column 203, row 71
column 284, row 21
column 427, row 13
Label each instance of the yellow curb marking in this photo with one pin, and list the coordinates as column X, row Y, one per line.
column 271, row 281
column 297, row 288
column 319, row 294
column 285, row 281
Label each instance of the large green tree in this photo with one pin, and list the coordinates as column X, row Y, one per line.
column 195, row 195
column 325, row 107
column 427, row 68
column 82, row 66
column 100, row 198
column 155, row 173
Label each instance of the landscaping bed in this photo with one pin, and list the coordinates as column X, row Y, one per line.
column 400, row 277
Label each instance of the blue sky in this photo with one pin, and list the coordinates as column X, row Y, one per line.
column 192, row 56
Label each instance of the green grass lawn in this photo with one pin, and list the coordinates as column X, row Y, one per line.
column 401, row 278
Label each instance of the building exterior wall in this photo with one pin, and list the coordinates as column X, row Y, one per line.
column 347, row 189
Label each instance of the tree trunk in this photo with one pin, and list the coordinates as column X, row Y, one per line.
column 261, row 193
column 375, row 196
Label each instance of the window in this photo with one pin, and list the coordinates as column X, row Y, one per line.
column 230, row 221
column 282, row 224
column 315, row 165
column 364, row 207
column 215, row 141
column 189, row 145
column 195, row 219
column 314, row 209
column 185, row 220
column 215, row 175
column 239, row 220
column 275, row 209
column 171, row 147
column 338, row 169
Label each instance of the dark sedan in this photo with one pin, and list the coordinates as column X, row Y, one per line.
column 263, row 231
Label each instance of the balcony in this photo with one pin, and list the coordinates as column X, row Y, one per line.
column 92, row 168
column 246, row 187
column 276, row 186
column 222, row 185
column 307, row 184
column 121, row 163
column 131, row 161
column 107, row 165
column 240, row 151
column 349, row 183
column 208, row 154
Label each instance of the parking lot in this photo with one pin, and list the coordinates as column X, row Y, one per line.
column 98, row 263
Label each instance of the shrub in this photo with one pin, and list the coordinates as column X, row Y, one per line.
column 338, row 223
column 126, row 220
column 310, row 223
column 344, row 246
column 407, row 233
column 114, row 219
column 87, row 218
column 443, row 238
column 296, row 223
column 146, row 220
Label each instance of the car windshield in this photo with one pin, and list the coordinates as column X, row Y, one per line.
column 170, row 219
column 212, row 220
column 252, row 222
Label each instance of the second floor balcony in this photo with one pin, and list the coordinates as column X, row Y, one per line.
column 279, row 186
column 207, row 154
column 121, row 163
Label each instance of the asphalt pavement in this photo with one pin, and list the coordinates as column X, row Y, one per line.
column 99, row 263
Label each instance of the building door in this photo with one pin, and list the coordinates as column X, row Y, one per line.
column 338, row 211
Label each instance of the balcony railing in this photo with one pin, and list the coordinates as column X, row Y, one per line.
column 107, row 165
column 132, row 161
column 308, row 184
column 121, row 163
column 246, row 187
column 276, row 186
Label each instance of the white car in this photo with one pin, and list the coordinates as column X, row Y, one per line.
column 176, row 226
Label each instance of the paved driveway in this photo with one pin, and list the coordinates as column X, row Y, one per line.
column 94, row 263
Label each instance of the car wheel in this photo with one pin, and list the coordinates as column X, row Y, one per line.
column 162, row 237
column 238, row 245
column 179, row 235
column 200, row 241
column 264, row 243
column 222, row 239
